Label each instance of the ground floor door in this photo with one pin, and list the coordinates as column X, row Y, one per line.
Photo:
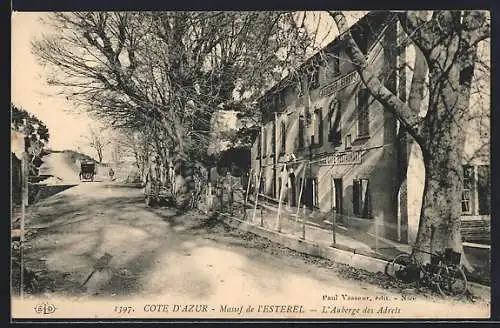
column 308, row 194
column 292, row 190
column 336, row 195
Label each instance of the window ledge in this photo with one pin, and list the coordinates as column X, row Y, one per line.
column 335, row 143
column 316, row 145
column 362, row 137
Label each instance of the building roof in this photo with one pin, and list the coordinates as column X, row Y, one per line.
column 373, row 21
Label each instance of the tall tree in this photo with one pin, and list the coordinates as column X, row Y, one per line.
column 36, row 133
column 167, row 72
column 446, row 48
column 97, row 141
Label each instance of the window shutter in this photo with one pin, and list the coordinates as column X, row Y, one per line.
column 355, row 196
column 301, row 131
column 336, row 61
column 273, row 141
column 283, row 137
column 259, row 142
column 316, row 193
column 320, row 127
column 334, row 133
column 264, row 142
column 334, row 195
column 363, row 117
column 365, row 198
column 484, row 189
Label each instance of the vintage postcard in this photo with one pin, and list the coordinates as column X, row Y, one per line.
column 243, row 165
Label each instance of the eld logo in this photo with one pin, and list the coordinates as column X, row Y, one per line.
column 45, row 308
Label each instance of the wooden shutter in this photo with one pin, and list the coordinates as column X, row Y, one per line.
column 273, row 142
column 336, row 61
column 363, row 114
column 355, row 196
column 483, row 189
column 283, row 137
column 320, row 127
column 333, row 195
column 264, row 142
column 301, row 131
column 259, row 145
column 334, row 134
column 365, row 198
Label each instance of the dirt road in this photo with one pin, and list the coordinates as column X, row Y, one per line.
column 159, row 254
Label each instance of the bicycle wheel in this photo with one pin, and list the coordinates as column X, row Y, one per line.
column 451, row 281
column 397, row 267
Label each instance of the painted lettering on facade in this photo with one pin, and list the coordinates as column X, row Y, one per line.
column 343, row 158
column 339, row 84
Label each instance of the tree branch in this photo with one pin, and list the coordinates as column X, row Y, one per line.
column 408, row 118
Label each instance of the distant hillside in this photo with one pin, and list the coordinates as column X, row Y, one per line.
column 76, row 156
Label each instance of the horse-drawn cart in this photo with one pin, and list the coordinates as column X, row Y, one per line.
column 87, row 171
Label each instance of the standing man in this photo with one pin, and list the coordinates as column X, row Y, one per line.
column 111, row 173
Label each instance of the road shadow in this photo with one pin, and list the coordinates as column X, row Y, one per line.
column 45, row 191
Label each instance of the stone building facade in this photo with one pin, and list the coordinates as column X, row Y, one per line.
column 344, row 142
column 350, row 157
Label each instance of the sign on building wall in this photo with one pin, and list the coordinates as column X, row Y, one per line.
column 343, row 158
column 339, row 84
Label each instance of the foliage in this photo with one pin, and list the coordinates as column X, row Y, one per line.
column 29, row 124
column 446, row 47
column 36, row 132
column 164, row 74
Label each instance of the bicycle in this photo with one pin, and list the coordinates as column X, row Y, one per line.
column 443, row 272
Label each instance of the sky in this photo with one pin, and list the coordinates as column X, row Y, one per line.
column 67, row 127
column 30, row 92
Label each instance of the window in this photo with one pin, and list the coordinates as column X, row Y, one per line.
column 483, row 189
column 309, row 196
column 301, row 131
column 259, row 146
column 298, row 88
column 361, row 198
column 262, row 186
column 317, row 137
column 314, row 77
column 466, row 75
column 264, row 142
column 362, row 42
column 336, row 62
column 283, row 137
column 315, row 192
column 334, row 129
column 273, row 142
column 467, row 190
column 348, row 141
column 281, row 100
column 363, row 113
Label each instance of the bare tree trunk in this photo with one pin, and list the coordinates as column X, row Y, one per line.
column 439, row 226
column 185, row 184
column 440, row 217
